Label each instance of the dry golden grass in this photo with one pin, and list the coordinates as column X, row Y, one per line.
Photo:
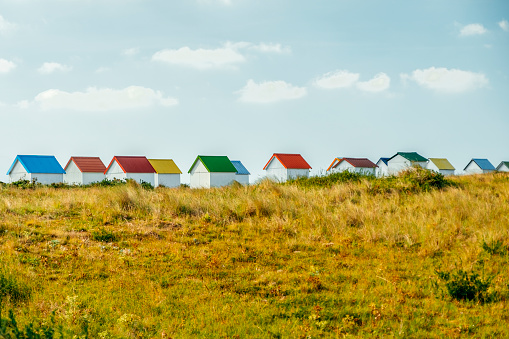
column 265, row 261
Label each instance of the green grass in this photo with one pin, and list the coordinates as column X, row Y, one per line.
column 341, row 256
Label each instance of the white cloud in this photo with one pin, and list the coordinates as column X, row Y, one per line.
column 270, row 91
column 6, row 66
column 504, row 24
column 337, row 79
column 50, row 67
column 270, row 48
column 24, row 104
column 227, row 56
column 6, row 26
column 131, row 51
column 473, row 29
column 103, row 99
column 379, row 83
column 200, row 58
column 447, row 80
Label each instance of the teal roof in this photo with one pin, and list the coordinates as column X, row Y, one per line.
column 412, row 156
column 215, row 163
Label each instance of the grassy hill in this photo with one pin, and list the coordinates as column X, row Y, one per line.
column 409, row 257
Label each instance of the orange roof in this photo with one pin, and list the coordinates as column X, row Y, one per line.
column 294, row 161
column 88, row 164
column 334, row 163
column 132, row 164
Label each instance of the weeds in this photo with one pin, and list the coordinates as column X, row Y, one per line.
column 12, row 289
column 463, row 285
column 495, row 248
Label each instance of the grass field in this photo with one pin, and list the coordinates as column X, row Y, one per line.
column 354, row 257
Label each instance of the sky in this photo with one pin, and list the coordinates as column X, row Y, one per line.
column 249, row 78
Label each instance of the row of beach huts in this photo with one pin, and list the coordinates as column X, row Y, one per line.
column 217, row 171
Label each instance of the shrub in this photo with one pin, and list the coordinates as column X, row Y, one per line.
column 462, row 285
column 13, row 289
column 9, row 329
column 104, row 236
column 421, row 179
column 108, row 183
column 494, row 248
column 146, row 185
column 328, row 180
column 24, row 184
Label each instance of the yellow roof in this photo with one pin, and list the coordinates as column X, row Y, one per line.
column 442, row 163
column 164, row 166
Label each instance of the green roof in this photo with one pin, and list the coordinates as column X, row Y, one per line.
column 215, row 163
column 442, row 163
column 412, row 156
column 506, row 163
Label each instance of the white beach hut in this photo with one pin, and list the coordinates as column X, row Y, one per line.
column 43, row 169
column 503, row 167
column 354, row 165
column 84, row 170
column 282, row 167
column 212, row 171
column 403, row 160
column 130, row 167
column 242, row 175
column 382, row 169
column 479, row 166
column 441, row 165
column 167, row 172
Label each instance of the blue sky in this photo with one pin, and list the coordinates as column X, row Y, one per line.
column 245, row 78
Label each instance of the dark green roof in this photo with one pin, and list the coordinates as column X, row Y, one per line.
column 215, row 163
column 412, row 156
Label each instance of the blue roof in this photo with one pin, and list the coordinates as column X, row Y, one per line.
column 484, row 164
column 239, row 167
column 384, row 160
column 38, row 164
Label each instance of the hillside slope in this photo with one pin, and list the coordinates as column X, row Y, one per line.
column 297, row 260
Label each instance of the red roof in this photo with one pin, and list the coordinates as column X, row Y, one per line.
column 295, row 161
column 360, row 162
column 132, row 164
column 88, row 164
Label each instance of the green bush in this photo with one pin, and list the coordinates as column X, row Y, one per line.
column 107, row 183
column 328, row 180
column 104, row 236
column 24, row 184
column 146, row 185
column 9, row 329
column 421, row 179
column 13, row 289
column 494, row 248
column 463, row 285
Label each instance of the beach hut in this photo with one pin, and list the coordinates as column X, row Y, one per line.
column 167, row 172
column 242, row 175
column 282, row 166
column 354, row 165
column 403, row 160
column 441, row 165
column 84, row 170
column 479, row 166
column 43, row 169
column 503, row 167
column 382, row 169
column 211, row 171
column 137, row 168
